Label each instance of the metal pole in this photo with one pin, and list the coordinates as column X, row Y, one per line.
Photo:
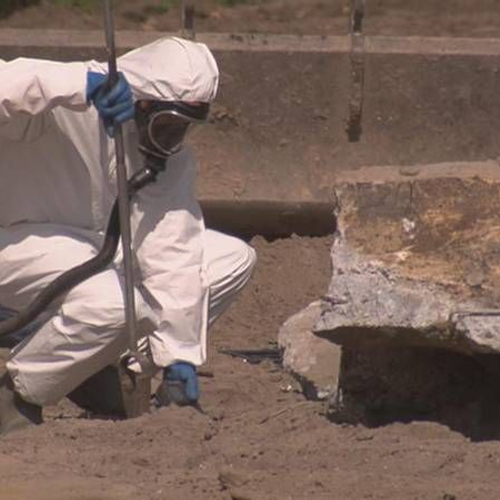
column 188, row 11
column 135, row 387
column 123, row 195
column 357, row 57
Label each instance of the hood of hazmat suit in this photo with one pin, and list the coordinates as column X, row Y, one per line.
column 57, row 169
column 69, row 181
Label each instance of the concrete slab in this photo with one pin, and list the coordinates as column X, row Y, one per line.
column 315, row 362
column 414, row 297
column 415, row 261
column 278, row 128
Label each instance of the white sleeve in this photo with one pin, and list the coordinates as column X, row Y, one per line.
column 31, row 87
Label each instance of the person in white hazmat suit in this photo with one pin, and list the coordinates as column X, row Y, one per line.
column 57, row 187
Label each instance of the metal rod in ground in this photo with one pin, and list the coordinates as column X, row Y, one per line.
column 123, row 195
column 357, row 57
column 188, row 9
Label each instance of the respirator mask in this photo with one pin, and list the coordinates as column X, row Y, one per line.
column 163, row 126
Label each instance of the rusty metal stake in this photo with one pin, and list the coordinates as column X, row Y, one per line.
column 188, row 10
column 136, row 388
column 357, row 57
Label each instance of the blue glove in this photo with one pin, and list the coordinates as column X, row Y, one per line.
column 185, row 373
column 115, row 105
column 179, row 386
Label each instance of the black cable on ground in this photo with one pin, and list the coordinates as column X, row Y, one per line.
column 76, row 275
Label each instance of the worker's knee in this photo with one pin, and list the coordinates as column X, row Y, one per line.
column 249, row 259
column 230, row 268
column 230, row 261
column 99, row 302
column 240, row 263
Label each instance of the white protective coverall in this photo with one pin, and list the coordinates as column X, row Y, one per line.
column 57, row 186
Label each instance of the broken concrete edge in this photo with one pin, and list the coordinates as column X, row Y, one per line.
column 363, row 320
column 386, row 309
column 314, row 362
column 370, row 303
column 438, row 46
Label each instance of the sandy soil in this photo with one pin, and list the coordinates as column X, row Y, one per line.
column 251, row 411
column 258, row 439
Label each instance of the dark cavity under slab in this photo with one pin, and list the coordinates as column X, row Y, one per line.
column 385, row 384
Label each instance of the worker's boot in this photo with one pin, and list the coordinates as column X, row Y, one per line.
column 15, row 413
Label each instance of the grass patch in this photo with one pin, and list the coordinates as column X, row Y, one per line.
column 233, row 3
column 93, row 6
column 7, row 7
column 161, row 7
column 89, row 6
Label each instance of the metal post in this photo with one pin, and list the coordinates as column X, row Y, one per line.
column 188, row 10
column 134, row 388
column 354, row 127
column 123, row 196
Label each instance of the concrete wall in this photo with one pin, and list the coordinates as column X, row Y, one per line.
column 278, row 129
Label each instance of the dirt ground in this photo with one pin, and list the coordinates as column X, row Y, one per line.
column 258, row 438
column 469, row 18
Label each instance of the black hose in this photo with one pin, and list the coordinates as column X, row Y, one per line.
column 76, row 275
